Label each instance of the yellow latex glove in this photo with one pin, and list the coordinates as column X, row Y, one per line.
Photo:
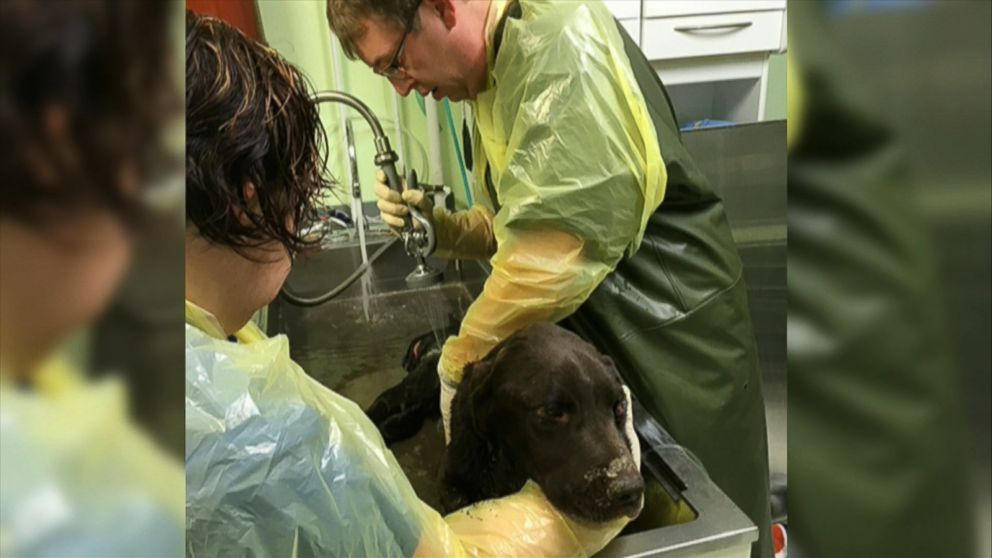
column 524, row 524
column 393, row 206
column 463, row 235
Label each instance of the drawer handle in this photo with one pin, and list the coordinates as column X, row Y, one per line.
column 715, row 27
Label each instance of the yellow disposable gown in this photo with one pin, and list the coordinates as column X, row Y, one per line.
column 569, row 184
column 77, row 478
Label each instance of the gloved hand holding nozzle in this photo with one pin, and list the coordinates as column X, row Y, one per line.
column 393, row 206
column 463, row 234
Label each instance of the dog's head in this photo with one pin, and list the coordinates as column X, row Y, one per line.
column 546, row 405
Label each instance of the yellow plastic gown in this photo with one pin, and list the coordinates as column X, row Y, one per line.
column 279, row 465
column 77, row 478
column 566, row 160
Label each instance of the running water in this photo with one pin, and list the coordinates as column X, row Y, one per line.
column 442, row 312
column 371, row 305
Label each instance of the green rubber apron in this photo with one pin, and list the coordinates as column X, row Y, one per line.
column 674, row 318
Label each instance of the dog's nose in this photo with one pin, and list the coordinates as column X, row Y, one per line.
column 627, row 490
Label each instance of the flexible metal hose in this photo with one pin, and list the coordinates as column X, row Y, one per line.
column 348, row 281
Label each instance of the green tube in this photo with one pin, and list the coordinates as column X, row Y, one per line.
column 458, row 152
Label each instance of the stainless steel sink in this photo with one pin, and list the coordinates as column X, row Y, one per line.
column 684, row 513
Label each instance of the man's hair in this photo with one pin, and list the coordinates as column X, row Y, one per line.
column 249, row 118
column 85, row 90
column 347, row 18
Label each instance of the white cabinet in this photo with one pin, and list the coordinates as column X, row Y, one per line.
column 713, row 55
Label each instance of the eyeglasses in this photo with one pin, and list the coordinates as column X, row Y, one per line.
column 394, row 70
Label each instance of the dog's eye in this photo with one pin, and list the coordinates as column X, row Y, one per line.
column 620, row 409
column 552, row 414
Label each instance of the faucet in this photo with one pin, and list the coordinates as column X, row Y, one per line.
column 418, row 242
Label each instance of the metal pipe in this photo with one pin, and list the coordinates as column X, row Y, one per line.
column 418, row 243
column 348, row 281
column 357, row 212
column 362, row 108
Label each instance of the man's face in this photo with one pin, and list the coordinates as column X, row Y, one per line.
column 430, row 61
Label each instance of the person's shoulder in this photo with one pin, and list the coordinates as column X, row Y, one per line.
column 563, row 30
column 560, row 16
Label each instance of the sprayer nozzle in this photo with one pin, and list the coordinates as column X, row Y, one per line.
column 423, row 276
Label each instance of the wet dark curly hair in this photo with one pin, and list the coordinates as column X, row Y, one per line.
column 249, row 118
column 85, row 90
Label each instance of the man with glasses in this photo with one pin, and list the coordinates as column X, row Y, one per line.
column 393, row 70
column 588, row 208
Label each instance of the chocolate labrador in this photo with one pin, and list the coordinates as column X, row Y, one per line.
column 543, row 405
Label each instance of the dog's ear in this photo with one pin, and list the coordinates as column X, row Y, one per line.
column 470, row 453
column 472, row 405
column 478, row 390
column 476, row 466
column 412, row 355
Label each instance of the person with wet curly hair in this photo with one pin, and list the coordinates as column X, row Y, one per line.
column 86, row 94
column 276, row 463
column 255, row 161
